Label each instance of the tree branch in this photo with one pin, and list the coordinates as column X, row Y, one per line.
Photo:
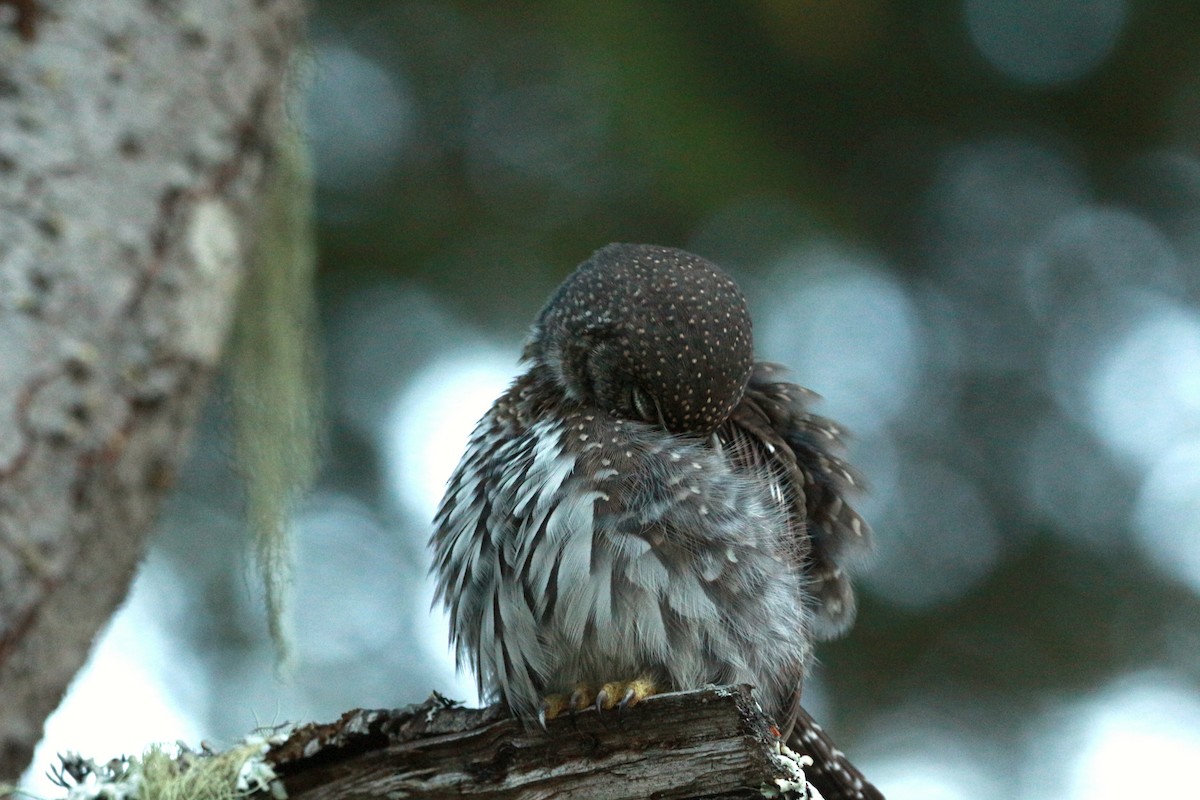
column 712, row 743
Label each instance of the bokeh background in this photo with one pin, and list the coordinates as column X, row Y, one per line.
column 972, row 225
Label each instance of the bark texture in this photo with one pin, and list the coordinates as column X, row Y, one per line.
column 712, row 743
column 135, row 136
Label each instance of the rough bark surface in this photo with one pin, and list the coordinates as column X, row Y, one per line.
column 134, row 139
column 713, row 743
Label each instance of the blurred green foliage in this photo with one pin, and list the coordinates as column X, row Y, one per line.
column 838, row 106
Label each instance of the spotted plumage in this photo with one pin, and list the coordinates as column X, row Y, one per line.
column 647, row 500
column 665, row 337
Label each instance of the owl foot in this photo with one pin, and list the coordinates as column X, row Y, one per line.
column 614, row 694
column 624, row 694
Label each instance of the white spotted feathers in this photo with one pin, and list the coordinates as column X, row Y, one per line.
column 649, row 333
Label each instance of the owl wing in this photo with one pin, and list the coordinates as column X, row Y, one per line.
column 831, row 772
column 772, row 429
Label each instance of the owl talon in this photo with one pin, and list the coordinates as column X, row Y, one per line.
column 614, row 694
column 630, row 693
column 627, row 701
column 603, row 703
column 580, row 698
column 602, row 700
column 552, row 706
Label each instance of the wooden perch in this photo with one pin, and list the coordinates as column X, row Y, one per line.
column 712, row 743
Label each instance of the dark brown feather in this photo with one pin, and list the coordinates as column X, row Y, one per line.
column 801, row 451
column 831, row 772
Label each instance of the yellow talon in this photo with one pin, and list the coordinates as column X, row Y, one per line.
column 614, row 694
column 609, row 694
column 638, row 690
column 582, row 697
column 553, row 705
column 625, row 694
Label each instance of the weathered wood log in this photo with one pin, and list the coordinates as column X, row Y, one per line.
column 712, row 743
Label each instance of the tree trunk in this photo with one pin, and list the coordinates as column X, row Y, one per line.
column 135, row 138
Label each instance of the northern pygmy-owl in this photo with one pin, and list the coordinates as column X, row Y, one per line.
column 648, row 508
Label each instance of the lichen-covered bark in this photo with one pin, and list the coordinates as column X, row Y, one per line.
column 713, row 743
column 134, row 139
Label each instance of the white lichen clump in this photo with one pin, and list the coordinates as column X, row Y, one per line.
column 256, row 773
column 181, row 774
column 792, row 782
column 118, row 779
